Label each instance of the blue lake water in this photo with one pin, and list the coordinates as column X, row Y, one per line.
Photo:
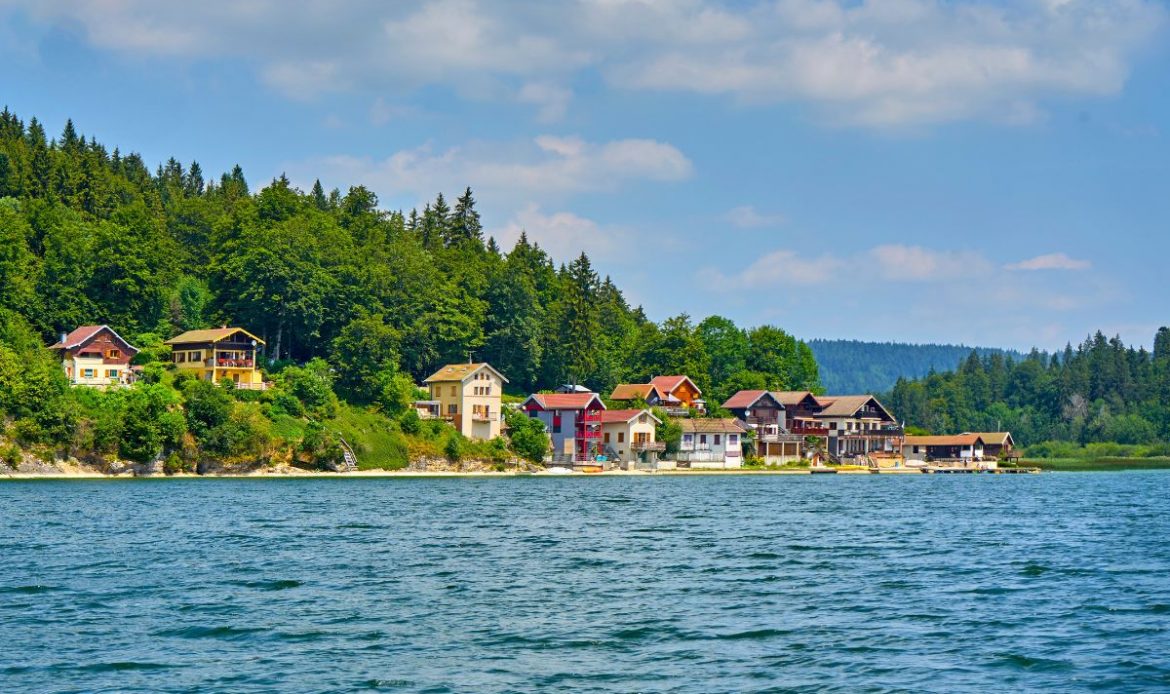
column 643, row 584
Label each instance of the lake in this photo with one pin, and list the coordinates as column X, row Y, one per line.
column 625, row 584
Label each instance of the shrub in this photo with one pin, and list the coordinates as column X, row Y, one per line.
column 410, row 422
column 12, row 456
column 453, row 448
column 526, row 436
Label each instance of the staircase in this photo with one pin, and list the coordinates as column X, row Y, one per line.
column 349, row 460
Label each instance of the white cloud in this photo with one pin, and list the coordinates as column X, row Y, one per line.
column 778, row 268
column 748, row 217
column 1050, row 261
column 563, row 235
column 873, row 63
column 546, row 165
column 899, row 263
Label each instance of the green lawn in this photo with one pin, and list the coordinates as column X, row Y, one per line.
column 376, row 442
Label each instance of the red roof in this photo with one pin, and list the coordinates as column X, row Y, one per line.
column 667, row 384
column 744, row 398
column 565, row 401
column 86, row 333
column 619, row 416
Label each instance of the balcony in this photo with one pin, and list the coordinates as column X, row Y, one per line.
column 641, row 446
column 234, row 363
column 706, row 456
column 809, row 430
column 880, row 432
column 253, row 386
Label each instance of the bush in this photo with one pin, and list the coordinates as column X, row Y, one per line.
column 12, row 456
column 526, row 436
column 453, row 448
column 174, row 464
column 410, row 422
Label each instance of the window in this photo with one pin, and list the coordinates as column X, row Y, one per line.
column 87, row 373
column 111, row 373
column 556, row 424
column 621, row 437
column 832, row 426
column 702, row 439
column 452, row 391
column 113, row 354
column 607, row 437
column 452, row 409
column 180, row 358
column 718, row 439
column 733, row 439
column 688, row 439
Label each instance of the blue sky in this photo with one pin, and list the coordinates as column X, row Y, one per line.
column 974, row 171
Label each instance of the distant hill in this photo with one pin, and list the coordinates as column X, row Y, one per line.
column 852, row 366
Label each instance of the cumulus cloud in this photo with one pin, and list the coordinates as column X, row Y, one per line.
column 872, row 63
column 748, row 217
column 888, row 263
column 1050, row 261
column 548, row 165
column 563, row 235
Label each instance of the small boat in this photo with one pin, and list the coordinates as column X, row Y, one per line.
column 559, row 471
column 822, row 470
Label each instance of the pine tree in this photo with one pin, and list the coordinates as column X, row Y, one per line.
column 318, row 195
column 464, row 223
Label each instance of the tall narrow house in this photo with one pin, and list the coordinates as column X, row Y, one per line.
column 95, row 355
column 469, row 396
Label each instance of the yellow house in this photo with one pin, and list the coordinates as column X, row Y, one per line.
column 469, row 396
column 219, row 353
column 628, row 436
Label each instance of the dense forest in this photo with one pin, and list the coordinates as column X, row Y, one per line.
column 1099, row 391
column 854, row 366
column 356, row 300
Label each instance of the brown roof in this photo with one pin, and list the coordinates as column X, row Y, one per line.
column 632, row 391
column 621, row 416
column 847, row 405
column 999, row 438
column 210, row 335
column 955, row 440
column 87, row 332
column 788, row 398
column 667, row 384
column 564, row 401
column 744, row 398
column 711, row 425
column 461, row 372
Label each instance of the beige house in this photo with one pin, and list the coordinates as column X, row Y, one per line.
column 95, row 355
column 628, row 436
column 219, row 353
column 469, row 396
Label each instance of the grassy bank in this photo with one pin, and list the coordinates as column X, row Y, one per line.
column 1097, row 464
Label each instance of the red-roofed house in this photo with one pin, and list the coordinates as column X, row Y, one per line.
column 95, row 355
column 680, row 388
column 628, row 435
column 573, row 422
column 763, row 413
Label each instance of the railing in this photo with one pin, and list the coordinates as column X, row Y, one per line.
column 482, row 416
column 239, row 363
column 263, row 385
column 883, row 432
column 639, row 446
column 807, row 430
column 706, row 456
column 677, row 411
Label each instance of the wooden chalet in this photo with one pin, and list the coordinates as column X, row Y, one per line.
column 96, row 356
column 220, row 353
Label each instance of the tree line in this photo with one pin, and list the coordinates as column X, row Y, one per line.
column 90, row 235
column 1099, row 391
column 855, row 366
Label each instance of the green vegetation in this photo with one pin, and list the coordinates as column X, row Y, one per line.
column 1098, row 464
column 1100, row 392
column 355, row 305
column 852, row 366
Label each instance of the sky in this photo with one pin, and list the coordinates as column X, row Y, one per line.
column 976, row 171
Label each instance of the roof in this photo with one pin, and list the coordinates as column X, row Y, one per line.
column 745, row 399
column 711, row 425
column 632, row 391
column 847, row 405
column 210, row 335
column 998, row 438
column 790, row 398
column 564, row 401
column 85, row 333
column 461, row 372
column 667, row 384
column 622, row 416
column 955, row 440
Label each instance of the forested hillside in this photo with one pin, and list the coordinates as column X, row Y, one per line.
column 854, row 366
column 1099, row 391
column 376, row 299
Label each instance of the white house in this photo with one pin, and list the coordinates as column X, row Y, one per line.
column 711, row 443
column 628, row 436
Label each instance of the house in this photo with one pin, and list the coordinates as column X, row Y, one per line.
column 95, row 355
column 801, row 408
column 711, row 443
column 762, row 413
column 631, row 392
column 858, row 425
column 469, row 396
column 628, row 436
column 965, row 448
column 681, row 390
column 996, row 444
column 219, row 353
column 573, row 423
column 427, row 409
